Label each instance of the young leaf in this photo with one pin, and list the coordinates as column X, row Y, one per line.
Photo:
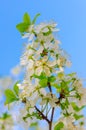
column 77, row 117
column 60, row 75
column 16, row 88
column 22, row 27
column 34, row 124
column 59, row 126
column 76, row 108
column 10, row 96
column 41, row 76
column 35, row 18
column 6, row 115
column 51, row 78
column 26, row 18
column 43, row 82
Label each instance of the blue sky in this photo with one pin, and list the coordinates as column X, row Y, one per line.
column 70, row 16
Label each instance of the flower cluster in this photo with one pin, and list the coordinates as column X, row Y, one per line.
column 45, row 86
column 42, row 59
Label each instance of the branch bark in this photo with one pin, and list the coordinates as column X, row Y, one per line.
column 43, row 116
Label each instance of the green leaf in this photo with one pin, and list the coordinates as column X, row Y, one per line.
column 41, row 76
column 65, row 87
column 78, row 96
column 37, row 115
column 62, row 106
column 27, row 116
column 10, row 96
column 77, row 117
column 59, row 89
column 59, row 126
column 35, row 18
column 60, row 75
column 43, row 82
column 57, row 86
column 43, row 79
column 22, row 27
column 5, row 116
column 76, row 108
column 72, row 74
column 47, row 33
column 34, row 124
column 26, row 18
column 51, row 78
column 34, row 114
column 16, row 88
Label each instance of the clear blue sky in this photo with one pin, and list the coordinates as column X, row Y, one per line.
column 71, row 18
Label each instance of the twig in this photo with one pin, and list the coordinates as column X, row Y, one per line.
column 43, row 116
column 52, row 114
column 49, row 86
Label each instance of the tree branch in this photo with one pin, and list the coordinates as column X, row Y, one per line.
column 49, row 86
column 43, row 116
column 52, row 114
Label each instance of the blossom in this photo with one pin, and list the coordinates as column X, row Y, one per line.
column 69, row 124
column 44, row 27
column 43, row 65
column 29, row 35
column 49, row 98
column 16, row 70
column 45, row 85
column 27, row 89
column 26, row 55
column 43, row 38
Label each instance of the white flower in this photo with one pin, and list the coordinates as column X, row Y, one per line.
column 43, row 38
column 27, row 54
column 39, row 70
column 30, row 64
column 24, row 59
column 45, row 30
column 29, row 36
column 42, row 65
column 68, row 63
column 16, row 70
column 68, row 123
column 51, row 99
column 39, row 51
column 61, row 61
column 82, row 92
column 44, row 27
column 28, row 89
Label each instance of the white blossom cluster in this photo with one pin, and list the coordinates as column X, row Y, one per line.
column 42, row 55
column 43, row 60
column 45, row 86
